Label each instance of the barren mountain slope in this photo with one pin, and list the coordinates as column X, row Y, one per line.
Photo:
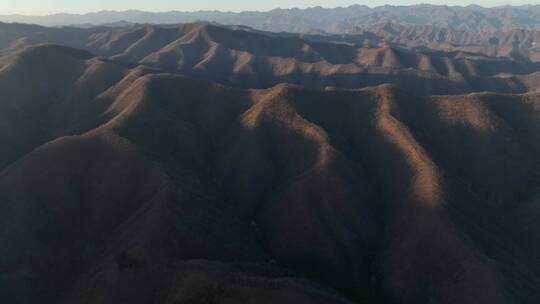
column 159, row 188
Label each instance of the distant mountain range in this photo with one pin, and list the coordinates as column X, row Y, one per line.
column 471, row 18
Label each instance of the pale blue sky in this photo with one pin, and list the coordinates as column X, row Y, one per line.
column 42, row 7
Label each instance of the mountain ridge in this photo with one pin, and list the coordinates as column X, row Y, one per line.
column 247, row 58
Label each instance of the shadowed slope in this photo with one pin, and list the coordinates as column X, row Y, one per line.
column 41, row 107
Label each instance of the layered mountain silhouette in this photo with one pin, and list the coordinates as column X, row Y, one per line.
column 470, row 18
column 201, row 163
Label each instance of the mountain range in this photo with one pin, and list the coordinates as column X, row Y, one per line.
column 332, row 20
column 247, row 58
column 206, row 163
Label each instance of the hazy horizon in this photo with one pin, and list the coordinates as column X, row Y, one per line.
column 37, row 8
